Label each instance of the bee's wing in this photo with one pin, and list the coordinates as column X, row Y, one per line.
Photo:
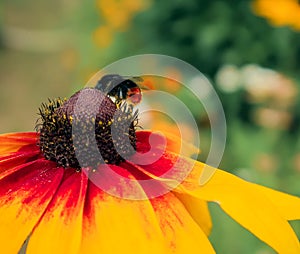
column 142, row 84
column 137, row 79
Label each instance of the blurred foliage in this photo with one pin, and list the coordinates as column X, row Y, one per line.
column 209, row 34
column 51, row 49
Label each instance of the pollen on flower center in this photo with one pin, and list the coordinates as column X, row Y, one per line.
column 86, row 130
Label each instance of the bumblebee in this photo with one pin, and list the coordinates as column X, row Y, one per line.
column 120, row 88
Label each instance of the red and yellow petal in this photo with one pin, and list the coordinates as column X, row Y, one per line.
column 165, row 170
column 160, row 225
column 179, row 229
column 10, row 163
column 241, row 200
column 154, row 187
column 24, row 196
column 118, row 225
column 147, row 140
column 60, row 229
column 12, row 142
column 198, row 209
column 17, row 149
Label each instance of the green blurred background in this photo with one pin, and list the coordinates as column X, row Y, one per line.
column 51, row 48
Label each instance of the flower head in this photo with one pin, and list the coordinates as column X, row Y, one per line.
column 61, row 197
column 91, row 113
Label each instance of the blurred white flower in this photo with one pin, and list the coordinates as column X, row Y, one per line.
column 228, row 78
column 266, row 84
column 272, row 118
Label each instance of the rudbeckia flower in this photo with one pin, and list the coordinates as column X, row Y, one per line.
column 53, row 200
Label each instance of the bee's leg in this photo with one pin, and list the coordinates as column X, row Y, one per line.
column 118, row 103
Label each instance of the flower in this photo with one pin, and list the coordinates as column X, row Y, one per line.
column 228, row 78
column 118, row 13
column 103, row 36
column 261, row 84
column 116, row 17
column 264, row 84
column 279, row 12
column 272, row 118
column 47, row 197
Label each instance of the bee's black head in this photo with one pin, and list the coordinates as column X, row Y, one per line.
column 118, row 88
column 109, row 82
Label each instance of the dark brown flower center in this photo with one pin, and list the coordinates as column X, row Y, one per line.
column 86, row 130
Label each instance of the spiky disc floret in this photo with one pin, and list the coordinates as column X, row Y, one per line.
column 86, row 130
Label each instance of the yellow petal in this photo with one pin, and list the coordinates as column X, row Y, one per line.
column 198, row 209
column 287, row 205
column 180, row 230
column 60, row 229
column 246, row 205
